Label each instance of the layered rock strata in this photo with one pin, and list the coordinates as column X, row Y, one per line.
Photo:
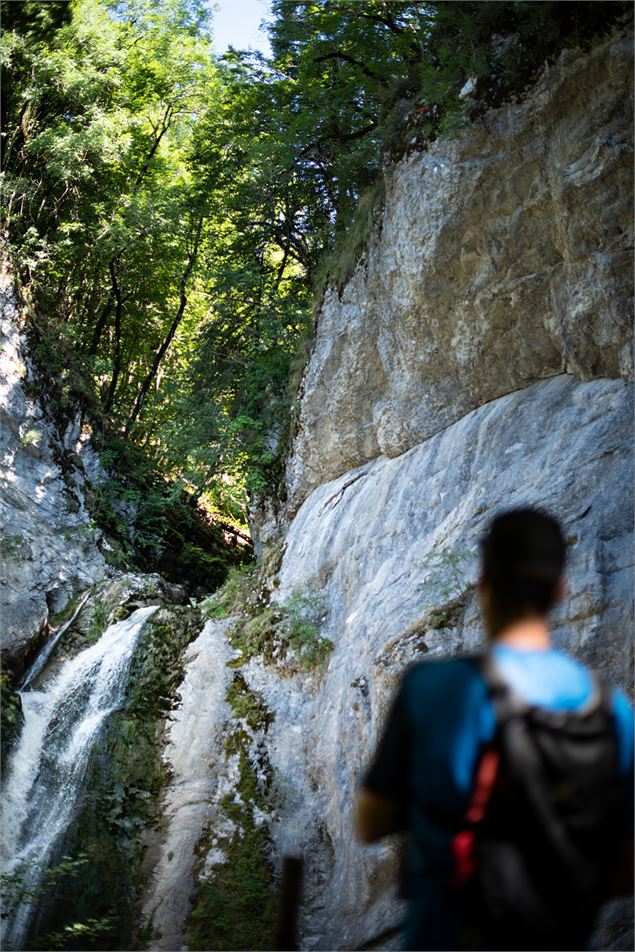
column 503, row 257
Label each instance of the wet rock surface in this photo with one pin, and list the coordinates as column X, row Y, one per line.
column 198, row 778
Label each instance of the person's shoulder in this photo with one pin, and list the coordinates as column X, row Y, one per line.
column 448, row 697
column 439, row 674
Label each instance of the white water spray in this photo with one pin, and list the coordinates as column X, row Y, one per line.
column 40, row 662
column 49, row 762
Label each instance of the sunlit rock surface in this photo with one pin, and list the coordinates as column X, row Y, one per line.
column 503, row 257
column 48, row 550
column 199, row 776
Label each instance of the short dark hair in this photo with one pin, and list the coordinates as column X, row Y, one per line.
column 523, row 557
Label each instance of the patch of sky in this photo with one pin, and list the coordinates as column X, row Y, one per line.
column 241, row 24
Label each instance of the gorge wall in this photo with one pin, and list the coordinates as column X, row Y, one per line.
column 479, row 357
column 50, row 549
column 503, row 257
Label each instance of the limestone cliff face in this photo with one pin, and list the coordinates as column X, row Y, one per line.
column 48, row 545
column 503, row 258
column 478, row 358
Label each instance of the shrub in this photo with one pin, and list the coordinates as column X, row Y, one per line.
column 445, row 580
column 233, row 597
column 303, row 615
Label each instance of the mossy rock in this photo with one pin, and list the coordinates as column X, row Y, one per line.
column 234, row 906
column 11, row 717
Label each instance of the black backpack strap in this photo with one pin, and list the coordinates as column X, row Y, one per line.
column 505, row 699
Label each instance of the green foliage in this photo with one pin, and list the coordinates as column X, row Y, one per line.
column 157, row 667
column 303, row 615
column 86, row 932
column 12, row 546
column 156, row 526
column 236, row 909
column 31, row 438
column 255, row 635
column 10, row 711
column 234, row 596
column 171, row 214
column 285, row 634
column 16, row 889
column 337, row 265
column 247, row 704
column 98, row 622
column 445, row 580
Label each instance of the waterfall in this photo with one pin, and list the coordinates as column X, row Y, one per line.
column 40, row 662
column 49, row 762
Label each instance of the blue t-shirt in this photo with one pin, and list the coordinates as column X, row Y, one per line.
column 440, row 719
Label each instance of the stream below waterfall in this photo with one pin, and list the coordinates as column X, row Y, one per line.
column 49, row 761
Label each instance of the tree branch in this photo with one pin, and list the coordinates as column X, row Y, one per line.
column 339, row 54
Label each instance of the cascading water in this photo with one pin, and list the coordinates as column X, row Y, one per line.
column 40, row 662
column 48, row 764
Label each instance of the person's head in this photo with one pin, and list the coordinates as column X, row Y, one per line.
column 522, row 563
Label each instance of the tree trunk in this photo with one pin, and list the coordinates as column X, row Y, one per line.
column 117, row 356
column 158, row 357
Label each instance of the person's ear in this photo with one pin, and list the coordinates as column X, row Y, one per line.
column 562, row 590
column 483, row 589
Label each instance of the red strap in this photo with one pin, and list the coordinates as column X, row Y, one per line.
column 463, row 850
column 485, row 778
column 463, row 842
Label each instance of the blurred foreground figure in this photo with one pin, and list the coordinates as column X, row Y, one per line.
column 511, row 772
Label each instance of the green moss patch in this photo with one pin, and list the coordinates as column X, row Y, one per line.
column 234, row 906
column 247, row 704
column 238, row 594
column 237, row 908
column 287, row 635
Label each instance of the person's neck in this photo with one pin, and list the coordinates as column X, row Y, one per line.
column 529, row 633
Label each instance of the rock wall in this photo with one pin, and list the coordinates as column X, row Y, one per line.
column 48, row 550
column 479, row 357
column 503, row 257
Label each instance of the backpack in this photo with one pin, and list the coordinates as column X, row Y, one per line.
column 545, row 824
